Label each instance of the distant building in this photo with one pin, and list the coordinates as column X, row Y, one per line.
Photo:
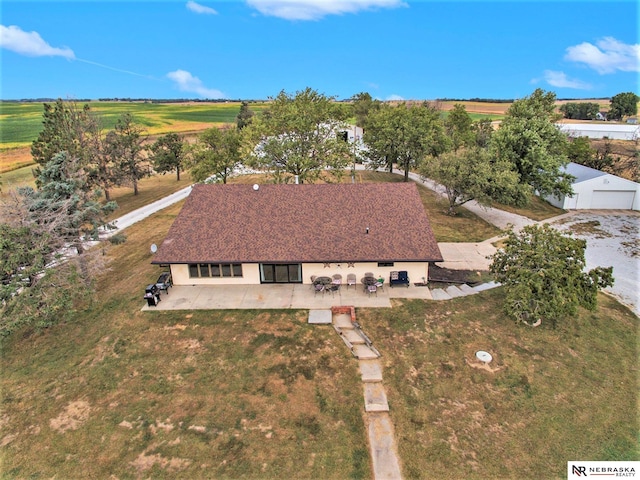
column 601, row 116
column 599, row 130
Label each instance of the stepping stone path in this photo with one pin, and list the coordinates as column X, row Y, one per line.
column 454, row 291
column 382, row 446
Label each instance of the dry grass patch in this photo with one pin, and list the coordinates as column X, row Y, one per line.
column 548, row 396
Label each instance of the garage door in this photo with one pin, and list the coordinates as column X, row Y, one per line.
column 621, row 199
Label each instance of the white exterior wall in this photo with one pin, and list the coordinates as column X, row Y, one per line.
column 250, row 276
column 610, row 192
column 251, row 273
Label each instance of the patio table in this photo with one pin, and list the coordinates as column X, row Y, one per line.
column 367, row 282
column 323, row 281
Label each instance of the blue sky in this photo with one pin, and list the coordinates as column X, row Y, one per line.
column 253, row 49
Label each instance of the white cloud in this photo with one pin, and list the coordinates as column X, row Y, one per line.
column 607, row 56
column 30, row 44
column 188, row 83
column 560, row 80
column 317, row 9
column 395, row 98
column 197, row 8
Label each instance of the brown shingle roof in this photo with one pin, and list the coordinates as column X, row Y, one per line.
column 300, row 223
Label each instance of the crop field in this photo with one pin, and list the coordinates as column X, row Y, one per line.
column 20, row 123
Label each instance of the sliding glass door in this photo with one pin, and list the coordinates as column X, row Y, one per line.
column 280, row 273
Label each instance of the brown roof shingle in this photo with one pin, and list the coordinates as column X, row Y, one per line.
column 300, row 223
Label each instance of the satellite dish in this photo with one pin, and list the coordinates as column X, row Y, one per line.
column 154, row 248
column 256, row 186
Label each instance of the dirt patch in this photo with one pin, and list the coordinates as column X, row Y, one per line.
column 73, row 416
column 591, row 227
column 446, row 275
column 145, row 462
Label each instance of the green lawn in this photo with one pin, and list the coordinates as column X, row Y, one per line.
column 262, row 394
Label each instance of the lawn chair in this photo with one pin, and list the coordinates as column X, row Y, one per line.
column 380, row 284
column 351, row 280
column 318, row 288
column 372, row 289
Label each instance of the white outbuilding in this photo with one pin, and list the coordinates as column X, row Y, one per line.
column 593, row 189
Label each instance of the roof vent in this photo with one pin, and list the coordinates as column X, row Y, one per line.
column 256, row 187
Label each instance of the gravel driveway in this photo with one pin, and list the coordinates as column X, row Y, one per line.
column 613, row 239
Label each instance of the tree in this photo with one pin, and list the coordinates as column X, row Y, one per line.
column 459, row 127
column 78, row 132
column 245, row 116
column 216, row 155
column 530, row 141
column 297, row 137
column 168, row 154
column 579, row 150
column 67, row 128
column 404, row 135
column 363, row 106
column 542, row 272
column 124, row 146
column 623, row 104
column 580, row 111
column 471, row 175
column 63, row 205
column 482, row 130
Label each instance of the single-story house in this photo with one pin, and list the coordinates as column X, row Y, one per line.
column 593, row 189
column 285, row 233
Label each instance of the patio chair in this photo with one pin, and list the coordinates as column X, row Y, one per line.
column 372, row 289
column 313, row 280
column 337, row 278
column 380, row 284
column 351, row 280
column 333, row 289
column 318, row 288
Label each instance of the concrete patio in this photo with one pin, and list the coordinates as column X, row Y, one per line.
column 278, row 296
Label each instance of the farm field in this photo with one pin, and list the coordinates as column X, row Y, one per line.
column 20, row 123
column 261, row 394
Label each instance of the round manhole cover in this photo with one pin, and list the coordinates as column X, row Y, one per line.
column 484, row 356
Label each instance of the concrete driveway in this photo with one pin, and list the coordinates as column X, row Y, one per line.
column 613, row 239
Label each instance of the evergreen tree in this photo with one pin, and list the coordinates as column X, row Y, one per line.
column 245, row 116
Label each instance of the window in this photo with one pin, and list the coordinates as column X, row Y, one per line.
column 205, row 270
column 385, row 264
column 193, row 270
